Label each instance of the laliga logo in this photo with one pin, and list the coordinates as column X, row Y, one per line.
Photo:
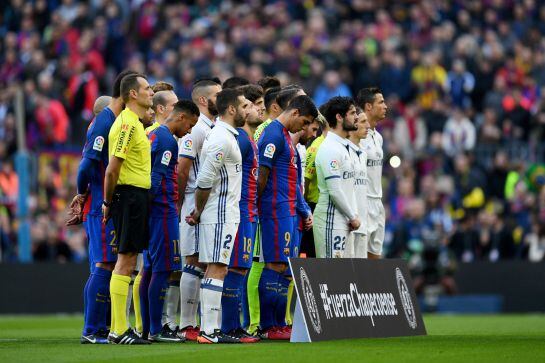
column 334, row 165
column 219, row 156
column 188, row 144
column 405, row 297
column 310, row 301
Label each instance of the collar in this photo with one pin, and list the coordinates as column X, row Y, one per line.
column 131, row 112
column 337, row 138
column 206, row 120
column 227, row 126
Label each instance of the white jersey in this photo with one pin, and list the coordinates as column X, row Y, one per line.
column 221, row 171
column 372, row 145
column 302, row 150
column 359, row 159
column 333, row 160
column 190, row 147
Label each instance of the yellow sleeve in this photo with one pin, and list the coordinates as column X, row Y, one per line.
column 124, row 139
column 310, row 163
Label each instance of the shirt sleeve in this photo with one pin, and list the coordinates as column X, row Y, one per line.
column 160, row 158
column 187, row 147
column 213, row 157
column 123, row 142
column 95, row 144
column 270, row 145
column 310, row 163
column 84, row 174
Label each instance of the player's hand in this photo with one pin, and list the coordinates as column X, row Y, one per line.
column 307, row 222
column 354, row 224
column 76, row 206
column 74, row 220
column 105, row 214
column 193, row 218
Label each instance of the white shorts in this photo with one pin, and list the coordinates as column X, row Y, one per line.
column 376, row 220
column 216, row 242
column 330, row 243
column 189, row 241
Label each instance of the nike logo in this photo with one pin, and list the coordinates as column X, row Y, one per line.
column 92, row 341
column 212, row 339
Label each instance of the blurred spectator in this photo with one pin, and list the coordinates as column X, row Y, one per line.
column 410, row 133
column 331, row 87
column 459, row 85
column 459, row 134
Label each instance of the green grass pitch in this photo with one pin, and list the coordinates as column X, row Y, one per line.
column 465, row 338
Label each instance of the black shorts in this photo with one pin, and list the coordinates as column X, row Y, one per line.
column 130, row 214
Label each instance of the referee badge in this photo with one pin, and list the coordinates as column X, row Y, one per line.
column 165, row 160
column 269, row 151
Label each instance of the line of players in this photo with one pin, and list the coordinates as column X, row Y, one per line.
column 241, row 176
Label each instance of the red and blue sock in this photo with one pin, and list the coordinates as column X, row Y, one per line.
column 144, row 304
column 268, row 296
column 156, row 294
column 230, row 301
column 97, row 299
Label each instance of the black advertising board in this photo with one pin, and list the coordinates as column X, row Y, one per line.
column 353, row 298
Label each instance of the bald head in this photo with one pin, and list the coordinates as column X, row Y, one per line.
column 101, row 103
column 163, row 103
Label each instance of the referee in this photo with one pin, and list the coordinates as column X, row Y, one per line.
column 126, row 185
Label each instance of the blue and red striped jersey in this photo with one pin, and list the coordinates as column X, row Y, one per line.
column 164, row 172
column 277, row 153
column 96, row 149
column 248, row 196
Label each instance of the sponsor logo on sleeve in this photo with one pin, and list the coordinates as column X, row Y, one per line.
column 98, row 144
column 334, row 165
column 165, row 160
column 219, row 156
column 187, row 145
column 269, row 151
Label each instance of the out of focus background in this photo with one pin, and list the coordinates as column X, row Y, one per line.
column 464, row 83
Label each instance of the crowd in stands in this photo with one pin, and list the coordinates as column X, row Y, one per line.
column 463, row 81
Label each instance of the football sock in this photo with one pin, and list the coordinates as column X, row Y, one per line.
column 230, row 301
column 252, row 291
column 211, row 291
column 85, row 304
column 189, row 295
column 119, row 290
column 144, row 314
column 281, row 301
column 98, row 292
column 244, row 302
column 137, row 302
column 268, row 296
column 156, row 296
column 129, row 302
column 170, row 310
column 289, row 319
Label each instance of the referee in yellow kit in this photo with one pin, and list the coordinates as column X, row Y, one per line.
column 126, row 184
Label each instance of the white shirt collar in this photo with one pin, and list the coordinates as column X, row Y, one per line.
column 206, row 120
column 337, row 138
column 227, row 126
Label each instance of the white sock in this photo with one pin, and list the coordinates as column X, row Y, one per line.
column 129, row 302
column 211, row 290
column 170, row 309
column 190, row 283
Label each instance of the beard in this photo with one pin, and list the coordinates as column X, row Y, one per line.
column 349, row 127
column 239, row 120
column 212, row 109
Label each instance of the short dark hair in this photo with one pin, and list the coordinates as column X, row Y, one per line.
column 162, row 86
column 367, row 95
column 336, row 105
column 252, row 92
column 285, row 96
column 186, row 106
column 130, row 82
column 198, row 86
column 227, row 97
column 116, row 89
column 268, row 82
column 270, row 97
column 234, row 82
column 305, row 106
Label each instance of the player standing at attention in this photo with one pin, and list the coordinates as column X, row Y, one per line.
column 277, row 193
column 372, row 102
column 164, row 99
column 336, row 213
column 162, row 256
column 234, row 286
column 126, row 188
column 86, row 207
column 216, row 212
column 356, row 245
column 189, row 158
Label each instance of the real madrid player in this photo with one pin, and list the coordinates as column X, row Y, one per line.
column 216, row 212
column 189, row 152
column 372, row 102
column 356, row 245
column 336, row 213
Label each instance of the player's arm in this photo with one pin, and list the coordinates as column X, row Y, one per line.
column 186, row 155
column 330, row 166
column 82, row 183
column 303, row 209
column 160, row 158
column 121, row 146
column 213, row 161
column 269, row 147
column 263, row 177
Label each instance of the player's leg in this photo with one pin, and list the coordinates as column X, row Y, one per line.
column 321, row 240
column 350, row 248
column 215, row 247
column 231, row 301
column 295, row 251
column 141, row 311
column 130, row 217
column 360, row 245
column 252, row 286
column 192, row 273
column 163, row 251
column 376, row 236
column 104, row 249
column 172, row 300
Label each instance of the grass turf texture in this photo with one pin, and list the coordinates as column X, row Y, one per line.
column 492, row 338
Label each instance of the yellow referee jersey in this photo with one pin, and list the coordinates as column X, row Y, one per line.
column 310, row 170
column 127, row 140
column 152, row 127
